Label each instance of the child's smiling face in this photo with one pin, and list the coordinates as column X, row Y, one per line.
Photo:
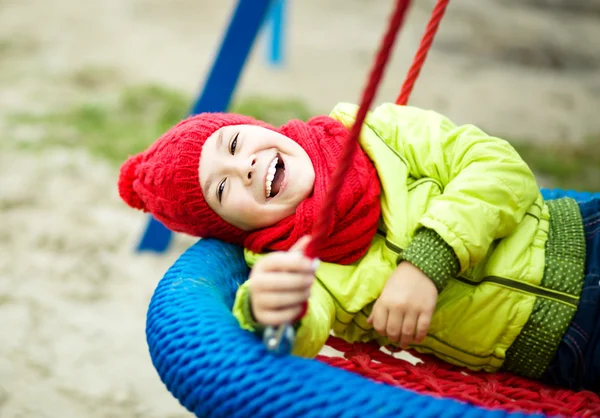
column 254, row 177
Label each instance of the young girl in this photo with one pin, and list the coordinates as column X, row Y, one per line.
column 441, row 239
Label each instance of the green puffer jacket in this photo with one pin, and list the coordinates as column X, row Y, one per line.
column 465, row 209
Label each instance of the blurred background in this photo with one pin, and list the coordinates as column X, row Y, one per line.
column 83, row 84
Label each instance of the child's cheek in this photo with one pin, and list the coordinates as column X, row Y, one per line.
column 244, row 204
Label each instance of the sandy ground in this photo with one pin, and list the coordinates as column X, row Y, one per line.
column 73, row 295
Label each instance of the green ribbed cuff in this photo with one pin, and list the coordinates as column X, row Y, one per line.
column 247, row 313
column 430, row 253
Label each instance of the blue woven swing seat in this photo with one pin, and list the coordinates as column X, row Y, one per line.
column 216, row 369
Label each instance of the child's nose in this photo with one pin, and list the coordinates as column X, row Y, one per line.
column 251, row 168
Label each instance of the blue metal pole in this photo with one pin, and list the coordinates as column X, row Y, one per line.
column 220, row 84
column 276, row 47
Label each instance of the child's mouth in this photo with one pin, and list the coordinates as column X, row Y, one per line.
column 275, row 177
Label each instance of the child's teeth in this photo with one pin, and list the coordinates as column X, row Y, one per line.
column 268, row 184
column 270, row 176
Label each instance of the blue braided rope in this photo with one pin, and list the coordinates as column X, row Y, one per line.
column 216, row 369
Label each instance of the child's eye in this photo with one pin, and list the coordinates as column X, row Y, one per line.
column 233, row 144
column 220, row 190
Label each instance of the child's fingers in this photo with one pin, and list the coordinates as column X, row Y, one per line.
column 422, row 327
column 379, row 320
column 301, row 244
column 279, row 316
column 286, row 261
column 281, row 282
column 280, row 300
column 408, row 329
column 394, row 326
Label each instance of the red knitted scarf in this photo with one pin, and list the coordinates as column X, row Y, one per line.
column 357, row 210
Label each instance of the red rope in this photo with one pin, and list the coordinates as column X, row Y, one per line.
column 326, row 211
column 437, row 378
column 432, row 376
column 415, row 69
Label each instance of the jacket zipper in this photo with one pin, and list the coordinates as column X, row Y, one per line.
column 393, row 247
column 512, row 284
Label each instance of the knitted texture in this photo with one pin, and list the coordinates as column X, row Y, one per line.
column 216, row 369
column 327, row 211
column 432, row 256
column 164, row 180
column 564, row 268
column 252, row 324
column 530, row 355
column 356, row 210
column 437, row 378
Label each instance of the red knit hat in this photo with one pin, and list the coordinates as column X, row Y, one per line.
column 164, row 179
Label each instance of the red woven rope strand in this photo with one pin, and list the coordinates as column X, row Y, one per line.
column 434, row 377
column 326, row 210
column 415, row 69
column 437, row 378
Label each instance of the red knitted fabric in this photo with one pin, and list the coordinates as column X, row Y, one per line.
column 164, row 181
column 356, row 211
column 437, row 378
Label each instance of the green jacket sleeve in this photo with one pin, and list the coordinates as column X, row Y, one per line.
column 487, row 187
column 314, row 327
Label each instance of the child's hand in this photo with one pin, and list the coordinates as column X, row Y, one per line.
column 280, row 285
column 404, row 309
